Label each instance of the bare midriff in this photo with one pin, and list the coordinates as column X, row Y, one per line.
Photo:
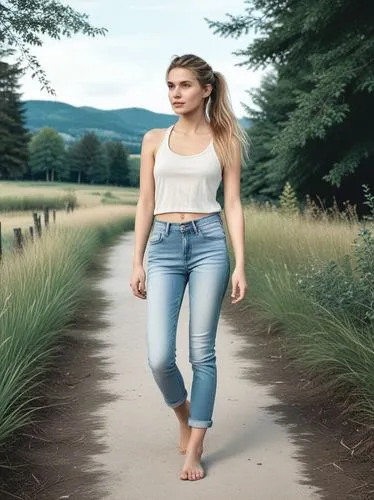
column 180, row 216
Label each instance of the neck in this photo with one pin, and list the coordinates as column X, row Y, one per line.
column 193, row 123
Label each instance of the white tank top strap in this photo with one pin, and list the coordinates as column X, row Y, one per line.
column 164, row 145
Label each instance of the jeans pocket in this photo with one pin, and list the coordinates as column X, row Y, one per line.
column 213, row 231
column 156, row 237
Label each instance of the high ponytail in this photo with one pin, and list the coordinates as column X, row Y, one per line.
column 217, row 107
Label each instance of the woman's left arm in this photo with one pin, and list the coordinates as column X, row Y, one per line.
column 235, row 222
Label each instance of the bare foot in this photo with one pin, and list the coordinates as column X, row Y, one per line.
column 185, row 431
column 192, row 469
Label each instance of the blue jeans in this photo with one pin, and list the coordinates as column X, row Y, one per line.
column 195, row 252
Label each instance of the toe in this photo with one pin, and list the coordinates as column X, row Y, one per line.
column 183, row 475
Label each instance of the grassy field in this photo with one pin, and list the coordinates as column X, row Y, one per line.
column 86, row 195
column 94, row 202
column 313, row 281
column 42, row 288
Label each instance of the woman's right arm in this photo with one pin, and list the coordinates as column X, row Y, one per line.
column 144, row 211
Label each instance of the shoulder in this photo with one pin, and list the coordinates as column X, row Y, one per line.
column 154, row 135
column 152, row 140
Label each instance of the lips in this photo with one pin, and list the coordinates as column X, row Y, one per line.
column 178, row 103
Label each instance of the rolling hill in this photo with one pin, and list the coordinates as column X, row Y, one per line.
column 127, row 125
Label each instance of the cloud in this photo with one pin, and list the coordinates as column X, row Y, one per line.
column 126, row 68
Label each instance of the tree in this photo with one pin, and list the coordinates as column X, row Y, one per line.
column 118, row 163
column 326, row 142
column 13, row 134
column 47, row 154
column 22, row 22
column 263, row 179
column 74, row 165
column 89, row 159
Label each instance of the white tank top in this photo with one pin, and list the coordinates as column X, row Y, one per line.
column 186, row 183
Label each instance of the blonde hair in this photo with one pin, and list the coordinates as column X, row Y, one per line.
column 217, row 107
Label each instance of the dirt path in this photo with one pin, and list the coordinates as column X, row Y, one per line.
column 118, row 439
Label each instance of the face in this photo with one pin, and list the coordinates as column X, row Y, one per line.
column 185, row 92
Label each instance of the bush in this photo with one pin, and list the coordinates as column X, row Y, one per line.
column 344, row 287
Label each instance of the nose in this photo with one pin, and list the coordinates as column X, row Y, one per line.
column 176, row 92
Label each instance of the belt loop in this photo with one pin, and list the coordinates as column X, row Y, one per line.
column 167, row 228
column 194, row 227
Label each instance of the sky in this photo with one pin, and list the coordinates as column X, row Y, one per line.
column 126, row 68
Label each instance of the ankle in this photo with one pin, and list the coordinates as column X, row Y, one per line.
column 183, row 412
column 194, row 447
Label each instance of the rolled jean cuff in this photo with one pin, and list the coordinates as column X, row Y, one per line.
column 175, row 405
column 200, row 424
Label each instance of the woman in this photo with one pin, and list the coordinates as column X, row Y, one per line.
column 181, row 169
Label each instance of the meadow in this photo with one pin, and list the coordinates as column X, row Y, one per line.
column 42, row 287
column 89, row 195
column 310, row 275
column 19, row 199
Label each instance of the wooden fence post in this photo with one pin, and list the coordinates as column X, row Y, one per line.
column 36, row 225
column 54, row 215
column 40, row 225
column 1, row 248
column 18, row 239
column 46, row 216
column 31, row 229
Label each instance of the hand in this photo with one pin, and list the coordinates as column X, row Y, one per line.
column 137, row 282
column 239, row 285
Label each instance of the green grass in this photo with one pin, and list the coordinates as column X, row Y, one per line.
column 36, row 202
column 65, row 185
column 41, row 289
column 331, row 345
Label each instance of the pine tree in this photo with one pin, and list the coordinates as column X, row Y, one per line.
column 325, row 144
column 288, row 200
column 272, row 102
column 13, row 134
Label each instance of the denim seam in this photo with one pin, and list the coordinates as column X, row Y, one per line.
column 201, row 424
column 175, row 405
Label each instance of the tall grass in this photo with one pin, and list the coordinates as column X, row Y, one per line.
column 83, row 217
column 40, row 291
column 23, row 195
column 311, row 279
column 22, row 203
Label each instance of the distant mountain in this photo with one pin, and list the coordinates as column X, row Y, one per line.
column 127, row 125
